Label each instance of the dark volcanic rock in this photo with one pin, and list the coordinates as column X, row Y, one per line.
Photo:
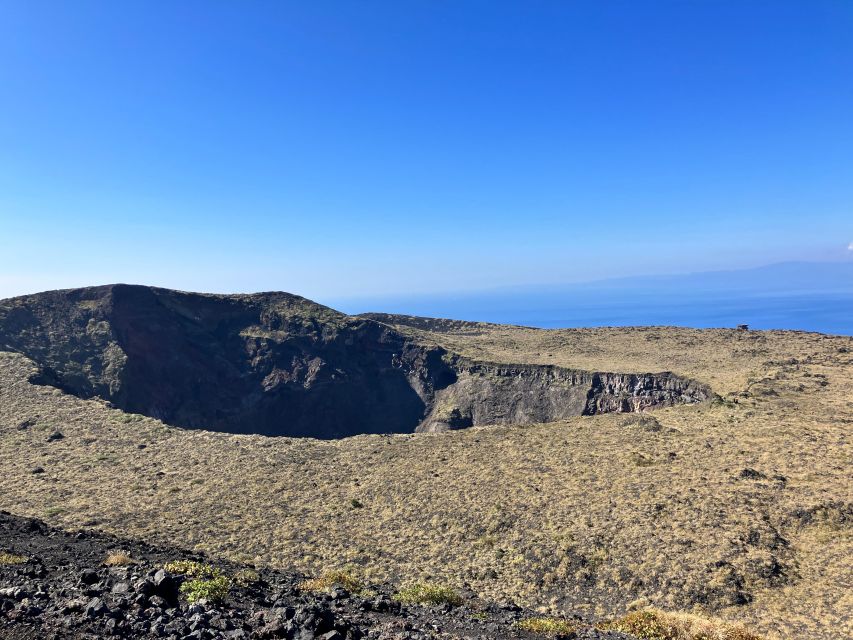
column 488, row 393
column 45, row 599
column 269, row 363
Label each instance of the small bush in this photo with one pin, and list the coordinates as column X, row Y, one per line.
column 331, row 579
column 245, row 577
column 213, row 590
column 653, row 624
column 426, row 593
column 193, row 569
column 119, row 559
column 547, row 626
column 11, row 558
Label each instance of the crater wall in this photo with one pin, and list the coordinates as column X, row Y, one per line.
column 489, row 393
column 278, row 364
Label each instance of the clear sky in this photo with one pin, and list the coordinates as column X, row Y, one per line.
column 337, row 148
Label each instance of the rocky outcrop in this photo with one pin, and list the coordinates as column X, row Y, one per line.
column 278, row 364
column 488, row 393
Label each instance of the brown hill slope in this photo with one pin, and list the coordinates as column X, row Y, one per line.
column 740, row 507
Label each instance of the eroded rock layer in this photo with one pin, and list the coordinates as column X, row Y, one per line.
column 487, row 393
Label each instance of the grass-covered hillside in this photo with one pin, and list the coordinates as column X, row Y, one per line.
column 738, row 507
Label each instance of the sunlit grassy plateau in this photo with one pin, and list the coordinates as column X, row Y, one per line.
column 740, row 507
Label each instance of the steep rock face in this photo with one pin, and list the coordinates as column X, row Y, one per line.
column 630, row 392
column 487, row 393
column 278, row 364
column 272, row 364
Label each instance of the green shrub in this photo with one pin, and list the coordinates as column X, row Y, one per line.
column 426, row 593
column 212, row 590
column 193, row 569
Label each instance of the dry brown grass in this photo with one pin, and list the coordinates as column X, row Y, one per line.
column 429, row 593
column 118, row 559
column 654, row 624
column 11, row 558
column 331, row 579
column 557, row 516
column 548, row 626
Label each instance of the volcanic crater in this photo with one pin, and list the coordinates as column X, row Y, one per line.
column 280, row 365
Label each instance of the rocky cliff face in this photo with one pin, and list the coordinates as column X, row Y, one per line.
column 487, row 393
column 278, row 364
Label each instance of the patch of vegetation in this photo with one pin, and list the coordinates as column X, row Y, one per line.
column 547, row 626
column 53, row 511
column 428, row 593
column 193, row 569
column 654, row 624
column 331, row 579
column 212, row 590
column 119, row 559
column 641, row 460
column 11, row 558
column 246, row 577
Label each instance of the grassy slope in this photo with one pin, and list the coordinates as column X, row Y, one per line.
column 586, row 514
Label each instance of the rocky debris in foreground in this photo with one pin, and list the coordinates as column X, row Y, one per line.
column 58, row 587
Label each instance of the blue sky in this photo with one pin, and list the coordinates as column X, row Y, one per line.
column 365, row 148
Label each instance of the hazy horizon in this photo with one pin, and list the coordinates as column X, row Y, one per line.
column 794, row 295
column 816, row 296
